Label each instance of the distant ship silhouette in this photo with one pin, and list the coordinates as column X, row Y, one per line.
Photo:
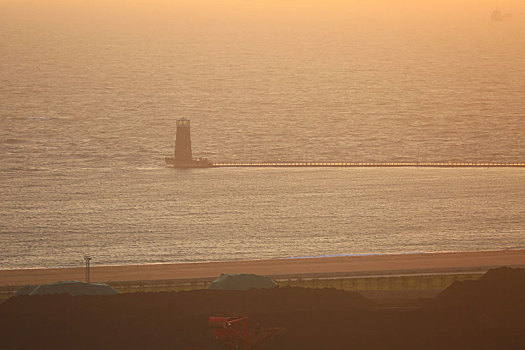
column 183, row 157
column 497, row 16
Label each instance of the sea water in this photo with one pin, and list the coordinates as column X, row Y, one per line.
column 89, row 98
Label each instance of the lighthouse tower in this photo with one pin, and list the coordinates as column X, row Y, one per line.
column 183, row 141
column 183, row 157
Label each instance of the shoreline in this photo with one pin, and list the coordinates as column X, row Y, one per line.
column 336, row 266
column 298, row 257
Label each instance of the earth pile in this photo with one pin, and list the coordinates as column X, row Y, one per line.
column 484, row 314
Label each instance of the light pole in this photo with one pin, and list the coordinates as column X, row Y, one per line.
column 87, row 259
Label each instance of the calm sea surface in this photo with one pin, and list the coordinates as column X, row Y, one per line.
column 89, row 99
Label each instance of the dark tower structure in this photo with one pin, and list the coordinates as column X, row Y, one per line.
column 183, row 141
column 183, row 157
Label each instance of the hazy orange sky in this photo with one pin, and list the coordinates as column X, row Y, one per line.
column 389, row 8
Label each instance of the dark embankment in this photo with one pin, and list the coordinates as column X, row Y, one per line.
column 485, row 314
column 498, row 290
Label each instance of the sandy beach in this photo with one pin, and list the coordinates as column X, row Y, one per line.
column 315, row 267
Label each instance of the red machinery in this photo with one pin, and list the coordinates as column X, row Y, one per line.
column 235, row 333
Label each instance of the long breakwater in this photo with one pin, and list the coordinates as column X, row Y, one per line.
column 229, row 164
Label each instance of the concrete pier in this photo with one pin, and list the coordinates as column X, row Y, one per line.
column 183, row 158
column 224, row 164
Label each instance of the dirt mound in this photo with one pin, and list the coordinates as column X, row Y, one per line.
column 151, row 320
column 241, row 281
column 207, row 302
column 67, row 287
column 313, row 318
column 503, row 287
column 494, row 302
